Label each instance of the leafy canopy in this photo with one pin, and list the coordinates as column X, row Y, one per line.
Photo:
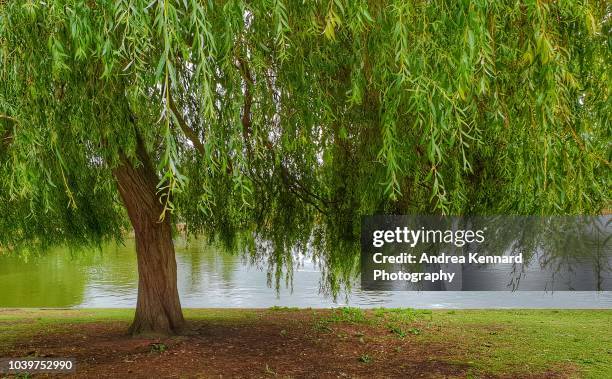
column 275, row 124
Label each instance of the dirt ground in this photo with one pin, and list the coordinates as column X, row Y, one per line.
column 285, row 343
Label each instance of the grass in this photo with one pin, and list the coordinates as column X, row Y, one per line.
column 364, row 358
column 497, row 342
column 347, row 314
column 19, row 324
column 537, row 339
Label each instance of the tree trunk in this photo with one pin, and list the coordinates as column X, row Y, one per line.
column 158, row 308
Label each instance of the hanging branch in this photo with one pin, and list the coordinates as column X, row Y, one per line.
column 191, row 134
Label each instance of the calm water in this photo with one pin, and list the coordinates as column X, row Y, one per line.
column 208, row 278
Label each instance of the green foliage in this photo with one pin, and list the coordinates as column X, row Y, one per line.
column 158, row 347
column 396, row 330
column 347, row 314
column 275, row 125
column 415, row 331
column 364, row 358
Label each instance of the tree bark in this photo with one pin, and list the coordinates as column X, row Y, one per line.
column 158, row 308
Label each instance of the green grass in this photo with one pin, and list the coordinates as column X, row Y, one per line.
column 347, row 314
column 20, row 324
column 504, row 342
column 495, row 340
column 276, row 308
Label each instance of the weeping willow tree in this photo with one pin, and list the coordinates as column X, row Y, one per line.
column 274, row 125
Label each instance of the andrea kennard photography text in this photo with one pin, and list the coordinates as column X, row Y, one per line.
column 486, row 253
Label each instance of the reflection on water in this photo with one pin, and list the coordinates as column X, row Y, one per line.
column 209, row 278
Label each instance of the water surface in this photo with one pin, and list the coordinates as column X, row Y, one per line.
column 210, row 278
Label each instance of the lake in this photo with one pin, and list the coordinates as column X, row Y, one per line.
column 209, row 278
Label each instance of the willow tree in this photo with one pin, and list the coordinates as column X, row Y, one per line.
column 274, row 125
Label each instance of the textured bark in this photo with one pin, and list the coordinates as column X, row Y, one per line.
column 158, row 308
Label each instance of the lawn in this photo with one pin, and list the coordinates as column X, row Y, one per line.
column 342, row 342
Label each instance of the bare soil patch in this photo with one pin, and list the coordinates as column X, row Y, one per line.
column 300, row 344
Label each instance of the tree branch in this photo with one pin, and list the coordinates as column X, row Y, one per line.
column 292, row 183
column 7, row 135
column 7, row 117
column 189, row 133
